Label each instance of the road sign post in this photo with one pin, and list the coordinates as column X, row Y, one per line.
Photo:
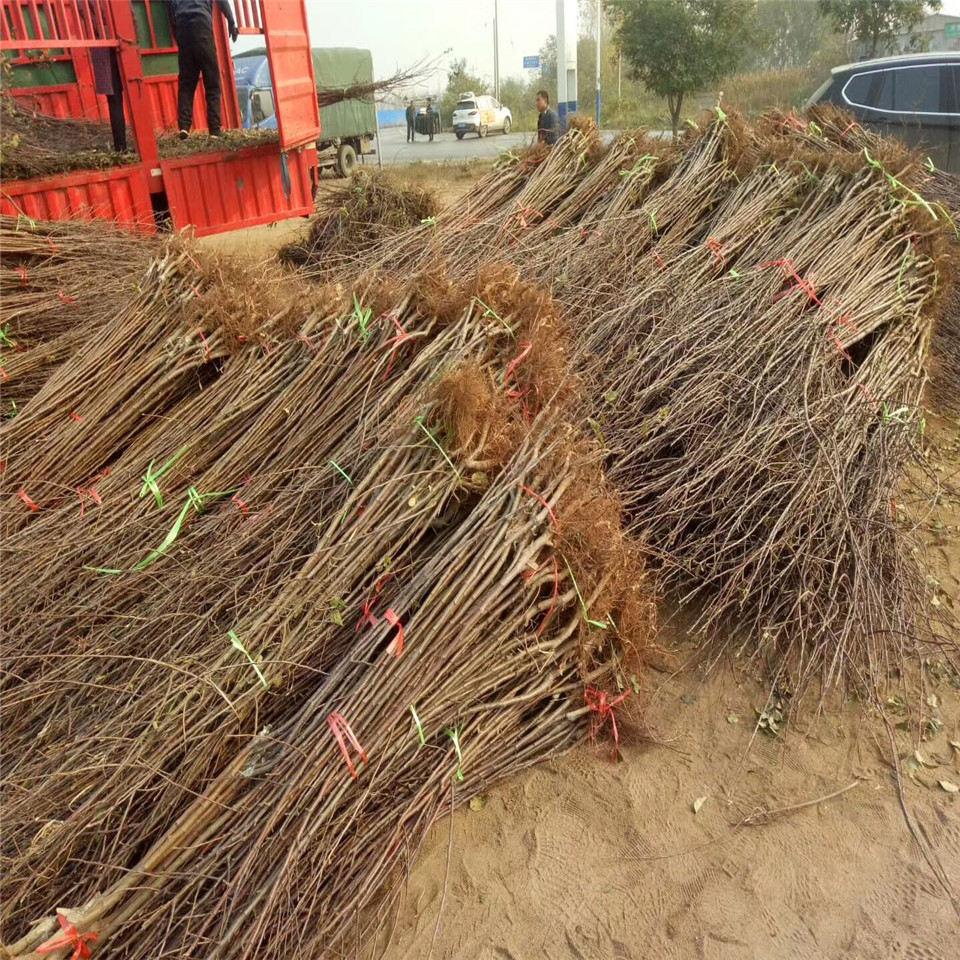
column 531, row 63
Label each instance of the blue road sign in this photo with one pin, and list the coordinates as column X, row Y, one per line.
column 531, row 63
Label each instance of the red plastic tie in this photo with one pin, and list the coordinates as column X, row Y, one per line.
column 844, row 321
column 716, row 248
column 543, row 503
column 52, row 245
column 789, row 271
column 794, row 123
column 512, row 369
column 241, row 506
column 395, row 342
column 22, row 273
column 206, row 346
column 367, row 615
column 92, row 494
column 71, row 938
column 656, row 256
column 76, row 416
column 599, row 704
column 343, row 733
column 64, row 298
column 304, row 339
column 868, row 393
column 22, row 494
column 3, row 375
column 848, row 128
column 3, row 467
column 556, row 590
column 396, row 644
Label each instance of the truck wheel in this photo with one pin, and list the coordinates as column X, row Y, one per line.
column 346, row 160
column 459, row 136
column 506, row 124
column 482, row 132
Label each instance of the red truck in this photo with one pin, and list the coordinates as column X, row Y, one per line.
column 46, row 46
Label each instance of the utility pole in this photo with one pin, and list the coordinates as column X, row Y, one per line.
column 599, row 18
column 496, row 54
column 566, row 59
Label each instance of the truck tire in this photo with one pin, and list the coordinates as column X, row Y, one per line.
column 346, row 160
column 506, row 124
column 482, row 132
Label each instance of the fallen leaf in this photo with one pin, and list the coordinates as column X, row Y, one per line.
column 688, row 699
column 476, row 803
column 949, row 787
column 700, row 801
column 732, row 718
column 923, row 763
column 932, row 701
column 955, row 745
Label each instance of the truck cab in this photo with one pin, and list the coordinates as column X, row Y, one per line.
column 347, row 128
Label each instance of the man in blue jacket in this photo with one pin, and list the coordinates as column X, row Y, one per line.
column 192, row 24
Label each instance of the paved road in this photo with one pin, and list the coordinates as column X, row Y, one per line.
column 446, row 147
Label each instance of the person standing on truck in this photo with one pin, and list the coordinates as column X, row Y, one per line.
column 192, row 25
column 411, row 123
column 548, row 123
column 106, row 81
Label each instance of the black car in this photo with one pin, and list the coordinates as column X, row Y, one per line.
column 915, row 98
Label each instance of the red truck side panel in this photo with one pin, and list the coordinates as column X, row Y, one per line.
column 215, row 192
column 120, row 195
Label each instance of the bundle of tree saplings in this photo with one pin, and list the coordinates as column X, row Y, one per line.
column 379, row 514
column 55, row 280
column 752, row 308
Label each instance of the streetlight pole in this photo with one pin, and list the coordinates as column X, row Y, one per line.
column 496, row 53
column 599, row 18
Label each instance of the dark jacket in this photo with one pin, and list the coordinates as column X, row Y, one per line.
column 411, row 113
column 548, row 126
column 198, row 13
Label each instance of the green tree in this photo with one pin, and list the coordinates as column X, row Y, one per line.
column 790, row 33
column 677, row 47
column 876, row 23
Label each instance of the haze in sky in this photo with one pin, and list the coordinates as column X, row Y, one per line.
column 401, row 32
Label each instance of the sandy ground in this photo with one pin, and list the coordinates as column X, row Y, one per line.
column 585, row 859
column 800, row 849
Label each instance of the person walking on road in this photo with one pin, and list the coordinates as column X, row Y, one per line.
column 411, row 123
column 548, row 123
column 192, row 25
column 431, row 121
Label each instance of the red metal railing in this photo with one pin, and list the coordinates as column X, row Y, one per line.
column 249, row 16
column 58, row 24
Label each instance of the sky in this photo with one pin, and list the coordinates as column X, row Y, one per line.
column 401, row 32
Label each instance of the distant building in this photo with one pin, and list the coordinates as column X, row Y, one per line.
column 937, row 32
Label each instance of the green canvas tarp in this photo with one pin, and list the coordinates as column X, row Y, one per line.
column 340, row 67
column 337, row 68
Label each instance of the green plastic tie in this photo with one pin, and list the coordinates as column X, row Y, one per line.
column 362, row 317
column 490, row 312
column 599, row 624
column 235, row 641
column 419, row 422
column 150, row 478
column 416, row 720
column 454, row 735
column 343, row 473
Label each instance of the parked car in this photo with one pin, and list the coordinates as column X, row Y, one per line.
column 480, row 115
column 915, row 98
